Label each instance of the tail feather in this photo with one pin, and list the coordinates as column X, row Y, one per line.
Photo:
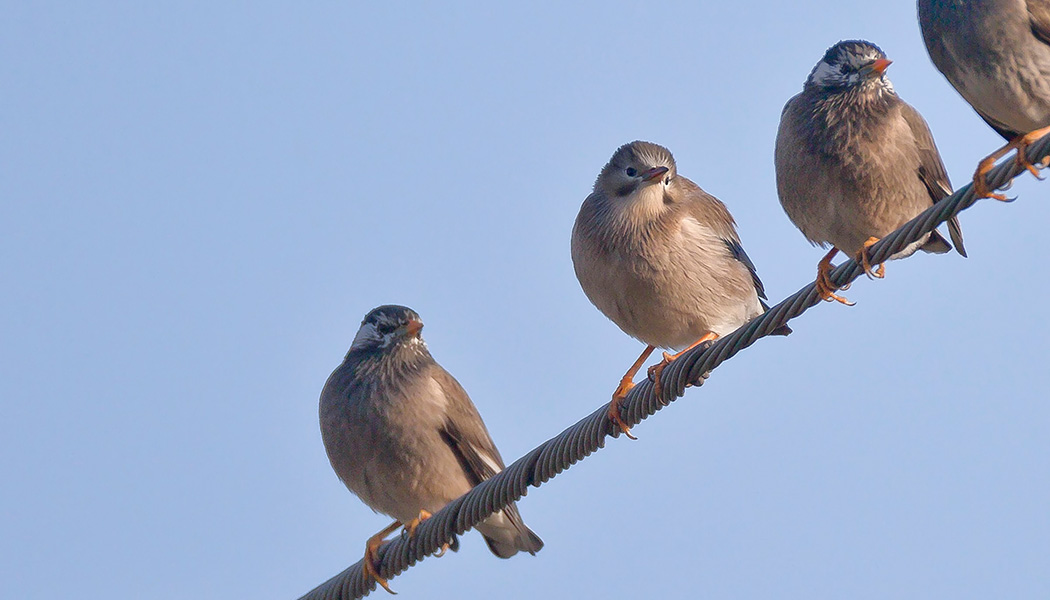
column 936, row 244
column 783, row 329
column 506, row 534
column 955, row 231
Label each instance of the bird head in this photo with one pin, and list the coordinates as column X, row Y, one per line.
column 637, row 167
column 389, row 327
column 853, row 65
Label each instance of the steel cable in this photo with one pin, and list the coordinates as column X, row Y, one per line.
column 588, row 434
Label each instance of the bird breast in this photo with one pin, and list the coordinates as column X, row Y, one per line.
column 857, row 179
column 665, row 288
column 383, row 440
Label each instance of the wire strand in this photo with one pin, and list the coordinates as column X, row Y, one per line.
column 589, row 433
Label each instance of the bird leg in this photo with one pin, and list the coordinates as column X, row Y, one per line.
column 866, row 262
column 372, row 555
column 656, row 370
column 414, row 523
column 1019, row 143
column 626, row 383
column 824, row 285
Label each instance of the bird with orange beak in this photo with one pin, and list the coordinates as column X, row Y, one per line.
column 854, row 162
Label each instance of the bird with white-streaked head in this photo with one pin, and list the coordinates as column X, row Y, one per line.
column 854, row 162
column 402, row 434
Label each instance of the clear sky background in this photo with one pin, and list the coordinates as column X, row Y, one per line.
column 199, row 203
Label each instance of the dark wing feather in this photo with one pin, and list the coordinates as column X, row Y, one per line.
column 738, row 253
column 466, row 434
column 1039, row 18
column 710, row 211
column 931, row 169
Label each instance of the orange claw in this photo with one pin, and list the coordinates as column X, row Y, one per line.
column 414, row 523
column 866, row 262
column 626, row 383
column 824, row 285
column 656, row 370
column 372, row 554
column 1019, row 143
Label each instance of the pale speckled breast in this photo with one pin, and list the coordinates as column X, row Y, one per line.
column 667, row 293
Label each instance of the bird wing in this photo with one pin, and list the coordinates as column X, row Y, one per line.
column 931, row 168
column 465, row 432
column 738, row 253
column 1039, row 18
column 710, row 211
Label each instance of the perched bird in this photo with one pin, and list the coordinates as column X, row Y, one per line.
column 661, row 258
column 855, row 162
column 403, row 435
column 996, row 53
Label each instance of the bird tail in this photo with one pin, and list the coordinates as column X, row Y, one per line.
column 783, row 329
column 506, row 534
column 955, row 231
column 936, row 244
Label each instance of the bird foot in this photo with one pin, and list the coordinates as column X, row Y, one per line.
column 866, row 262
column 414, row 523
column 980, row 183
column 442, row 551
column 626, row 384
column 1022, row 154
column 372, row 555
column 657, row 370
column 1020, row 144
column 824, row 286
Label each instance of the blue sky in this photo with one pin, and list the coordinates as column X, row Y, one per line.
column 198, row 203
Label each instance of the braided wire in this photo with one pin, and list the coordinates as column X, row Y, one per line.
column 589, row 433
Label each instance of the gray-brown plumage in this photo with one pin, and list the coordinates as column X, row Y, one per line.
column 402, row 434
column 854, row 162
column 661, row 257
column 996, row 53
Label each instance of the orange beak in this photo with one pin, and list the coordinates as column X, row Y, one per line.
column 413, row 327
column 879, row 66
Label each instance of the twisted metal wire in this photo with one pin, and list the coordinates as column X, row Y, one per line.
column 588, row 434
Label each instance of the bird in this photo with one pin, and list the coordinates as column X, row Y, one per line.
column 855, row 162
column 996, row 53
column 403, row 435
column 661, row 258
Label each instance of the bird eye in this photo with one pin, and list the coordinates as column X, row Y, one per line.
column 631, row 172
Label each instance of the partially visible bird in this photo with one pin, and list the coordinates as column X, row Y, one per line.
column 662, row 259
column 996, row 53
column 402, row 434
column 855, row 162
